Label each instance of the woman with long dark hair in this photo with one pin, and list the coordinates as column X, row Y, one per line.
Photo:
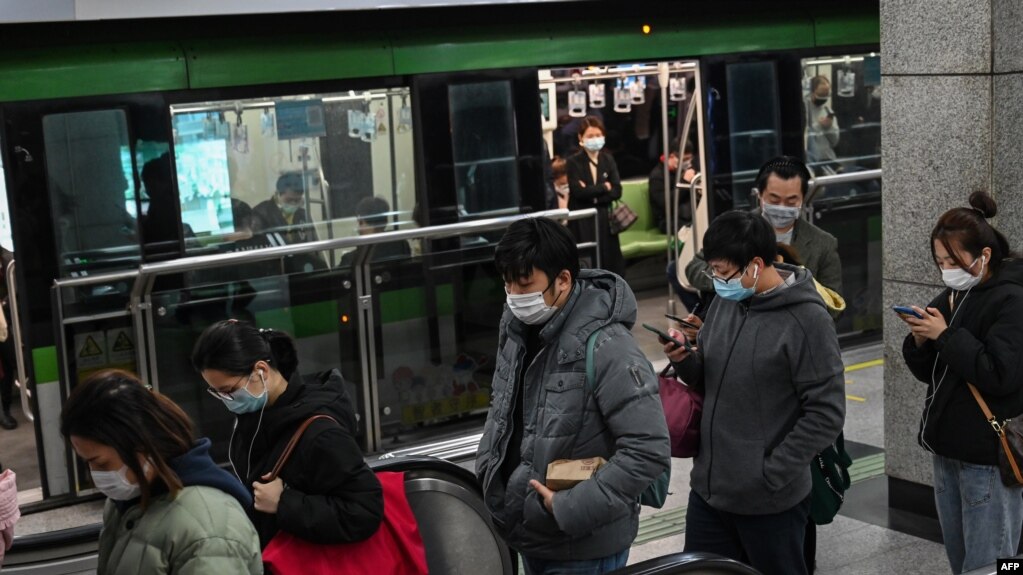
column 965, row 345
column 170, row 508
column 593, row 182
column 332, row 496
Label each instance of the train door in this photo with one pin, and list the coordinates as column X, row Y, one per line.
column 825, row 110
column 76, row 197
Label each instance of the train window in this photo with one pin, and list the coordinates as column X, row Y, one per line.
column 842, row 118
column 753, row 115
column 483, row 146
column 271, row 171
column 92, row 189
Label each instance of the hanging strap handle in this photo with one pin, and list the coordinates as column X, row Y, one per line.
column 293, row 442
column 999, row 430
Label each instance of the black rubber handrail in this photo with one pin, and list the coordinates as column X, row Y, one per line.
column 694, row 562
column 60, row 538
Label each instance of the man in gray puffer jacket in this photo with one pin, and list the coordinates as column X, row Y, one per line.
column 769, row 362
column 542, row 409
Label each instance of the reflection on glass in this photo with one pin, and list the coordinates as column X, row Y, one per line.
column 753, row 119
column 90, row 188
column 842, row 119
column 296, row 166
column 484, row 146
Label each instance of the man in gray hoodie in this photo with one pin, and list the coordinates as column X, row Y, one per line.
column 542, row 408
column 771, row 369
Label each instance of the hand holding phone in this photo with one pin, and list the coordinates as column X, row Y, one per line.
column 683, row 322
column 906, row 311
column 665, row 337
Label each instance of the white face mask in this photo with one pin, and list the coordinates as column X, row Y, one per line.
column 115, row 484
column 780, row 216
column 960, row 279
column 530, row 308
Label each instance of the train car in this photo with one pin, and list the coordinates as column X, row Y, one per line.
column 164, row 174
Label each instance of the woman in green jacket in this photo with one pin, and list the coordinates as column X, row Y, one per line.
column 170, row 508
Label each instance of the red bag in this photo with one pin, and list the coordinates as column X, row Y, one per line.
column 395, row 549
column 683, row 407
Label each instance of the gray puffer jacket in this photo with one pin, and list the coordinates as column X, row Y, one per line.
column 621, row 420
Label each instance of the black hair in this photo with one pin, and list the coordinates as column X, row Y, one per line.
column 113, row 408
column 786, row 168
column 970, row 229
column 536, row 242
column 241, row 214
column 234, row 347
column 372, row 210
column 290, row 181
column 739, row 236
column 591, row 122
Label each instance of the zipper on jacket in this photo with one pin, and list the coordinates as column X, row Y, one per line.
column 503, row 451
column 713, row 412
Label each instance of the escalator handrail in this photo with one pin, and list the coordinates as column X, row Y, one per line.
column 692, row 562
column 60, row 538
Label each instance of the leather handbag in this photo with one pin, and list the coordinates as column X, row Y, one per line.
column 395, row 549
column 621, row 217
column 1010, row 435
column 683, row 408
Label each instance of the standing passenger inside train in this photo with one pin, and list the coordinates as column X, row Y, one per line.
column 331, row 495
column 771, row 369
column 594, row 183
column 170, row 509
column 966, row 347
column 782, row 184
column 544, row 409
column 821, row 127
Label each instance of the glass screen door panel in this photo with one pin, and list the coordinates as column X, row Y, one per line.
column 317, row 309
column 92, row 191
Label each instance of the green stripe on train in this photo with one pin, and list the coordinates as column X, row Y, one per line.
column 44, row 361
column 92, row 69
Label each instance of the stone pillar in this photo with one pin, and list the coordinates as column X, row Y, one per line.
column 952, row 122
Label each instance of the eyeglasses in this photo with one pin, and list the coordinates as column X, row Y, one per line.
column 226, row 396
column 712, row 276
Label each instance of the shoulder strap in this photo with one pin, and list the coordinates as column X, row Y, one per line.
column 1000, row 431
column 590, row 370
column 294, row 441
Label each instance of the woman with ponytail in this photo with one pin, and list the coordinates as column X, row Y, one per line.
column 326, row 493
column 170, row 509
column 967, row 344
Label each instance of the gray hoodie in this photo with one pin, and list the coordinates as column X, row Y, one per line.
column 774, row 396
column 620, row 419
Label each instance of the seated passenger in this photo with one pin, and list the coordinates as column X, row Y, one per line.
column 656, row 188
column 331, row 495
column 769, row 364
column 284, row 212
column 782, row 184
column 170, row 508
column 283, row 216
column 372, row 215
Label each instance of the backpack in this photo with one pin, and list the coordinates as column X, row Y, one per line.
column 830, row 473
column 657, row 492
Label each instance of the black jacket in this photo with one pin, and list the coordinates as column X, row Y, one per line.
column 331, row 496
column 983, row 346
column 594, row 194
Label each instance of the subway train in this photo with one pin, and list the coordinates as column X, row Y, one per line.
column 140, row 159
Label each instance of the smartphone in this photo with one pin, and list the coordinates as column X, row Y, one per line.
column 666, row 338
column 681, row 321
column 906, row 310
